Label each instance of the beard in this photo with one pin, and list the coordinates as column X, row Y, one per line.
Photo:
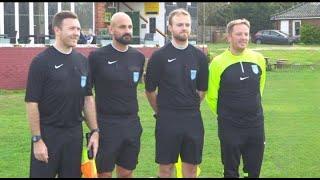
column 123, row 40
column 180, row 37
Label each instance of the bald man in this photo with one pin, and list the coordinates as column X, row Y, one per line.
column 116, row 70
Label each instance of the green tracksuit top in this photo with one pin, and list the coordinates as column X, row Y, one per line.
column 236, row 84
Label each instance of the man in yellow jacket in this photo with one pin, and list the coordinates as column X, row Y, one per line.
column 236, row 82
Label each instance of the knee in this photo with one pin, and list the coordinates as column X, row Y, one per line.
column 105, row 175
column 123, row 173
column 165, row 171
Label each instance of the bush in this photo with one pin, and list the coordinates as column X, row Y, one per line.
column 310, row 34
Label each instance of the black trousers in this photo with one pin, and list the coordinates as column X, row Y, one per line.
column 246, row 142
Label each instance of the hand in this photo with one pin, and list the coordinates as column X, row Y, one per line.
column 94, row 143
column 40, row 151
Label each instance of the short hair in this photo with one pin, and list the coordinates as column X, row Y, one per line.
column 177, row 12
column 231, row 24
column 60, row 16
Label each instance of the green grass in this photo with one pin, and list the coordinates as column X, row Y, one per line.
column 291, row 106
column 301, row 54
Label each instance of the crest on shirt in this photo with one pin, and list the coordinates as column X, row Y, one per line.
column 83, row 81
column 135, row 76
column 193, row 74
column 255, row 68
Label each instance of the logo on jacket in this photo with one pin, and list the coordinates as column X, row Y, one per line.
column 193, row 74
column 83, row 81
column 255, row 68
column 135, row 76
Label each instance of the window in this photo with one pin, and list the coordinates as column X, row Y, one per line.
column 265, row 33
column 297, row 25
column 85, row 15
column 9, row 17
column 65, row 6
column 38, row 9
column 23, row 19
column 52, row 10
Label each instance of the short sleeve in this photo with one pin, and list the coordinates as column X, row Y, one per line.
column 36, row 80
column 202, row 81
column 153, row 73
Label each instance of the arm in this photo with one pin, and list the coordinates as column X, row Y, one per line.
column 202, row 80
column 201, row 95
column 152, row 98
column 152, row 81
column 213, row 86
column 91, row 121
column 263, row 74
column 39, row 148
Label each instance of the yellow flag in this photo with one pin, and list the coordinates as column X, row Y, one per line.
column 178, row 166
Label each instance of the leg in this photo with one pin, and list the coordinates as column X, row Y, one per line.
column 105, row 175
column 230, row 142
column 123, row 173
column 130, row 148
column 70, row 164
column 165, row 170
column 110, row 141
column 192, row 144
column 189, row 170
column 253, row 153
column 168, row 134
column 39, row 169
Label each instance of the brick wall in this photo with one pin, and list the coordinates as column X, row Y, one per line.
column 15, row 62
column 100, row 9
column 315, row 22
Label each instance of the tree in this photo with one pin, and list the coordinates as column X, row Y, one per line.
column 259, row 14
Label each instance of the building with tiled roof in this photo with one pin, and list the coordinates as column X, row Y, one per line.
column 290, row 20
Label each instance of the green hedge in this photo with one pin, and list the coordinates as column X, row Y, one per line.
column 310, row 34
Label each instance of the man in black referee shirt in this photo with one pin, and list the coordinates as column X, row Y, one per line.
column 116, row 70
column 57, row 92
column 180, row 72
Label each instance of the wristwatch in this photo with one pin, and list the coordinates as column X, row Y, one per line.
column 36, row 138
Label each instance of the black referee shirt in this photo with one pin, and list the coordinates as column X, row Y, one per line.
column 115, row 76
column 58, row 83
column 178, row 74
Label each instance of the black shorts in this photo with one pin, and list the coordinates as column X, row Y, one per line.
column 179, row 132
column 64, row 150
column 119, row 142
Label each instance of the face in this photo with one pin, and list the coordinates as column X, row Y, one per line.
column 69, row 32
column 121, row 29
column 239, row 37
column 181, row 27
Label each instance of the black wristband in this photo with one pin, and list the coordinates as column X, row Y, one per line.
column 95, row 130
column 155, row 116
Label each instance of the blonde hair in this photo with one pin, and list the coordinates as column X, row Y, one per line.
column 177, row 12
column 236, row 22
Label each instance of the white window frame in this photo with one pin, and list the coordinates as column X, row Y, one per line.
column 1, row 18
column 31, row 17
column 294, row 26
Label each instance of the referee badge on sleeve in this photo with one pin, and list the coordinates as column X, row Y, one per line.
column 83, row 81
column 255, row 68
column 135, row 76
column 193, row 74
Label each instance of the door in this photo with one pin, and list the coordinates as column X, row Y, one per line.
column 284, row 26
column 135, row 17
column 296, row 27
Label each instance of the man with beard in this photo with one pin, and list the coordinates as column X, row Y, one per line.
column 57, row 91
column 236, row 83
column 116, row 71
column 180, row 72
